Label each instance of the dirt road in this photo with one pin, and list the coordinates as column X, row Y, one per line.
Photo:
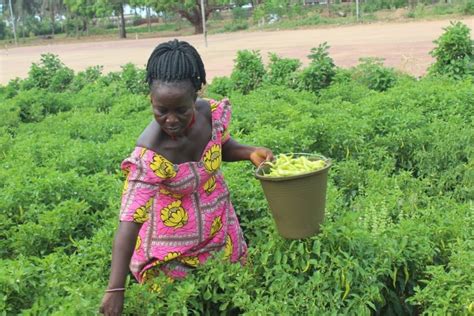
column 405, row 46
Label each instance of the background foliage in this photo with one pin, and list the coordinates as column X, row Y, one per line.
column 39, row 20
column 399, row 227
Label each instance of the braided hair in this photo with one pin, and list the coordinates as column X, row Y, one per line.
column 176, row 61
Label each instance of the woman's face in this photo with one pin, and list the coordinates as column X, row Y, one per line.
column 173, row 106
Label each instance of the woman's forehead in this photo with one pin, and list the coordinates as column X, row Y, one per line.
column 170, row 94
column 159, row 85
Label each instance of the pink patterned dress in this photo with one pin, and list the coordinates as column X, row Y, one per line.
column 185, row 208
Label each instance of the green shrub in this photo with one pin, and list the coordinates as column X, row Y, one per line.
column 221, row 86
column 83, row 78
column 372, row 74
column 248, row 71
column 35, row 104
column 320, row 72
column 110, row 78
column 236, row 26
column 10, row 114
column 468, row 7
column 12, row 88
column 449, row 289
column 19, row 283
column 454, row 52
column 133, row 79
column 49, row 74
column 281, row 70
column 55, row 228
column 239, row 13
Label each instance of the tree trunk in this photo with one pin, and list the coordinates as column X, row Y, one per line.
column 66, row 25
column 52, row 18
column 194, row 17
column 198, row 26
column 148, row 17
column 76, row 26
column 23, row 28
column 122, row 32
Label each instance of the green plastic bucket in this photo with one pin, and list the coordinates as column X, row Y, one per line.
column 297, row 202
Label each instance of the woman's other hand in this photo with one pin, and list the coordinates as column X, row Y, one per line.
column 112, row 303
column 260, row 155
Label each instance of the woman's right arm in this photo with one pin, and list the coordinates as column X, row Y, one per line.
column 124, row 244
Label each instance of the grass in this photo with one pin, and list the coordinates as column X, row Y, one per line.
column 100, row 34
column 140, row 29
column 422, row 11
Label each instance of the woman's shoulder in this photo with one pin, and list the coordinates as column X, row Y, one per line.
column 148, row 138
column 203, row 106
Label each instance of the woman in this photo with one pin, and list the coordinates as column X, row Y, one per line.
column 176, row 209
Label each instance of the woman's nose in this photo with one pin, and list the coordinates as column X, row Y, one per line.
column 171, row 118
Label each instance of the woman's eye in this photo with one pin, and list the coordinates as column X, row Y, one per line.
column 160, row 111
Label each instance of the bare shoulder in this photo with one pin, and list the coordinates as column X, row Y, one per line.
column 148, row 138
column 204, row 107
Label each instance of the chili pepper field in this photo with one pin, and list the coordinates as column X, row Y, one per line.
column 398, row 237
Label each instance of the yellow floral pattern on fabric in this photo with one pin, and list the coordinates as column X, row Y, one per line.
column 162, row 167
column 210, row 185
column 228, row 247
column 214, row 105
column 216, row 225
column 190, row 261
column 126, row 172
column 142, row 214
column 171, row 255
column 138, row 243
column 213, row 158
column 174, row 215
column 173, row 195
column 125, row 186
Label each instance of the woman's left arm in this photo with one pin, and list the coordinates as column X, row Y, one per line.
column 234, row 151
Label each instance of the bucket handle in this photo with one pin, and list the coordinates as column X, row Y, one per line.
column 298, row 154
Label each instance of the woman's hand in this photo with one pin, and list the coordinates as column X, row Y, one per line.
column 260, row 155
column 112, row 304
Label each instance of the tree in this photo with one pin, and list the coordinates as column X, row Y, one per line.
column 82, row 11
column 52, row 7
column 25, row 9
column 190, row 9
column 116, row 7
column 147, row 5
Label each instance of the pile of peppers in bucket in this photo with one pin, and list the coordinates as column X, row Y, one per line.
column 287, row 165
